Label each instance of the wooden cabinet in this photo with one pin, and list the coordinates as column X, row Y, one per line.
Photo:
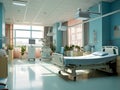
column 86, row 53
column 3, row 66
column 77, row 53
column 10, row 55
column 73, row 53
column 118, row 65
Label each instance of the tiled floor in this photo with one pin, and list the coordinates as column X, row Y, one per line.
column 24, row 75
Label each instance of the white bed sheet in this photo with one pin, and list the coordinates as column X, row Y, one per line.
column 88, row 59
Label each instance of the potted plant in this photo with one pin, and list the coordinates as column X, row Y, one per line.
column 72, row 47
column 53, row 48
column 72, row 50
column 10, row 52
column 69, row 50
column 78, row 51
column 66, row 48
column 23, row 49
column 10, row 47
column 77, row 48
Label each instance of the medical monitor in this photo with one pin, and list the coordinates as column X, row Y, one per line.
column 31, row 41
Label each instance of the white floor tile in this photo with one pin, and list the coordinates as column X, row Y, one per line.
column 24, row 75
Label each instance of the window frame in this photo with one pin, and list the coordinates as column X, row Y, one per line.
column 29, row 30
column 74, row 34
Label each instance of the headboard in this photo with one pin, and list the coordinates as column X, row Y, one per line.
column 110, row 49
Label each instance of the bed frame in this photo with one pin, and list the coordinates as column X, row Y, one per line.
column 71, row 69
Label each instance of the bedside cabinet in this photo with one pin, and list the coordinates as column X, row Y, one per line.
column 77, row 53
column 118, row 65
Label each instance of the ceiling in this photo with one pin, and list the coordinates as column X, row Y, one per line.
column 45, row 12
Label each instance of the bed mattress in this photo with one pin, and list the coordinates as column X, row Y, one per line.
column 88, row 59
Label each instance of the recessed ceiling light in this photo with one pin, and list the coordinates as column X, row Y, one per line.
column 19, row 2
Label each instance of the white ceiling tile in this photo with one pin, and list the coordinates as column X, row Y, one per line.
column 45, row 12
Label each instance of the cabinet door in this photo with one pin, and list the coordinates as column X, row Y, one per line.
column 118, row 65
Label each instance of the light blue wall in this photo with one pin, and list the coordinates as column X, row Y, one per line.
column 57, row 38
column 96, row 26
column 105, row 26
column 115, row 20
column 2, row 24
column 106, row 23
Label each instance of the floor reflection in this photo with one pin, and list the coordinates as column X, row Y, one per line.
column 24, row 75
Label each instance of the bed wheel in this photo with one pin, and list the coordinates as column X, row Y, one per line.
column 74, row 78
column 59, row 72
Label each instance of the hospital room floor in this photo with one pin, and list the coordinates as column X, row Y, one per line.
column 38, row 75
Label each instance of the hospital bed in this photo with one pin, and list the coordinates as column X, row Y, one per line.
column 104, row 59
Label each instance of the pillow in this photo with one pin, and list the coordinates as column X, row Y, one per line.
column 100, row 53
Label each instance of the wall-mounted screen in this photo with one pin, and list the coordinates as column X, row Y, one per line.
column 31, row 41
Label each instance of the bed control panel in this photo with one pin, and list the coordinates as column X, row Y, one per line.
column 110, row 49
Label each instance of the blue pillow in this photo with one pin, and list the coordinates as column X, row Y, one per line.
column 100, row 53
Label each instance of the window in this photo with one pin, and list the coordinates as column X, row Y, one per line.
column 22, row 34
column 37, row 28
column 75, row 35
column 36, row 34
column 20, row 42
column 22, row 27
